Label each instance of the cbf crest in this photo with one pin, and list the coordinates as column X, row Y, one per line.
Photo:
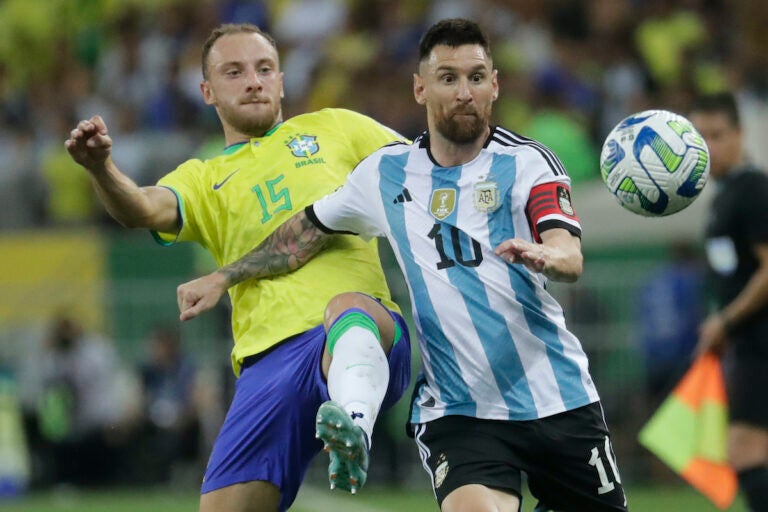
column 443, row 203
column 304, row 146
column 486, row 196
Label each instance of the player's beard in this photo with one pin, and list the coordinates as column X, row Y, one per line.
column 464, row 129
column 252, row 124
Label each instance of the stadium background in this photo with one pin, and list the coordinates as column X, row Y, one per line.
column 568, row 69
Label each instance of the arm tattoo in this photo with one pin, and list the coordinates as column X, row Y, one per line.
column 289, row 247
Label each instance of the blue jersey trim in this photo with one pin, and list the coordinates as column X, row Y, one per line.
column 567, row 373
column 444, row 367
column 233, row 148
column 490, row 326
column 180, row 210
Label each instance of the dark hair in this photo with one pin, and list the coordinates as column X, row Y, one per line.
column 452, row 32
column 721, row 102
column 227, row 29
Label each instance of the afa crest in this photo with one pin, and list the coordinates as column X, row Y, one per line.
column 303, row 146
column 486, row 196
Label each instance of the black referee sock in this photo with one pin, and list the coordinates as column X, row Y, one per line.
column 754, row 485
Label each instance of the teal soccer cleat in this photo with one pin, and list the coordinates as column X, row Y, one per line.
column 347, row 446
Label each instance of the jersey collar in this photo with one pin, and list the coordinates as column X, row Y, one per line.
column 232, row 148
column 423, row 141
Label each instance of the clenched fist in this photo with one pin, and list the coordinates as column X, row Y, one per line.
column 200, row 295
column 89, row 144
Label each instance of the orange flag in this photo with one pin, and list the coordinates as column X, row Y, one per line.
column 689, row 432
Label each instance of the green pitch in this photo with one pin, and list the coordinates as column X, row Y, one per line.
column 312, row 499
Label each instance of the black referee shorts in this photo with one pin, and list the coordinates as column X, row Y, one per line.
column 746, row 386
column 567, row 457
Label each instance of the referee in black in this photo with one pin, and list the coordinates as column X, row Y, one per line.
column 737, row 253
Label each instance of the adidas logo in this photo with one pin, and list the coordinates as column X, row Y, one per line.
column 403, row 197
column 429, row 402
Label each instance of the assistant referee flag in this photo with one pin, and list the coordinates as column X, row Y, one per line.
column 689, row 432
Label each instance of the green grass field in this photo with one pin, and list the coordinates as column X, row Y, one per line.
column 312, row 499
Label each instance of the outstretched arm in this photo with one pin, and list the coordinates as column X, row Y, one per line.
column 90, row 145
column 713, row 333
column 288, row 248
column 558, row 256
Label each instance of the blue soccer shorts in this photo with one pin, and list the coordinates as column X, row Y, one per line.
column 269, row 431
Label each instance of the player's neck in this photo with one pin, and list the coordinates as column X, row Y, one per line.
column 233, row 136
column 450, row 154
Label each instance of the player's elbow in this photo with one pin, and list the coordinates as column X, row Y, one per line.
column 570, row 269
column 147, row 219
column 126, row 221
column 577, row 267
column 133, row 221
column 568, row 277
column 129, row 222
column 571, row 259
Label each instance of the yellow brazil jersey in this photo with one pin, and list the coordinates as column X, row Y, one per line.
column 231, row 203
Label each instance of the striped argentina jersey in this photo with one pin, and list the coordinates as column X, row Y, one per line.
column 493, row 341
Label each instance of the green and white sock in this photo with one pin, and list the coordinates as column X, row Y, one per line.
column 359, row 373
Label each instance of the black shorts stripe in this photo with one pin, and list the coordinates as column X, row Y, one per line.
column 424, row 453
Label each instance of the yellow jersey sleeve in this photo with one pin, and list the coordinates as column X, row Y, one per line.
column 363, row 133
column 186, row 183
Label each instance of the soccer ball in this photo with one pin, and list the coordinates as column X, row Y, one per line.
column 655, row 163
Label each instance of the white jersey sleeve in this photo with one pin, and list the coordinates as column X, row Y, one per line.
column 351, row 208
column 544, row 188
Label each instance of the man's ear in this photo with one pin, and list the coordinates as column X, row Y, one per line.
column 208, row 96
column 418, row 89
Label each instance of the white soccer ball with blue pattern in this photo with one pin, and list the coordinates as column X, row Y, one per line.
column 655, row 163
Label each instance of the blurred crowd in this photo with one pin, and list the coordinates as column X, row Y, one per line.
column 90, row 418
column 569, row 70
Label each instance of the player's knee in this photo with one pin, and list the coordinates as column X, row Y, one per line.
column 254, row 496
column 344, row 302
column 479, row 498
column 341, row 303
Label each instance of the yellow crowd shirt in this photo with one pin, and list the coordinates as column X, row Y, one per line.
column 231, row 203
